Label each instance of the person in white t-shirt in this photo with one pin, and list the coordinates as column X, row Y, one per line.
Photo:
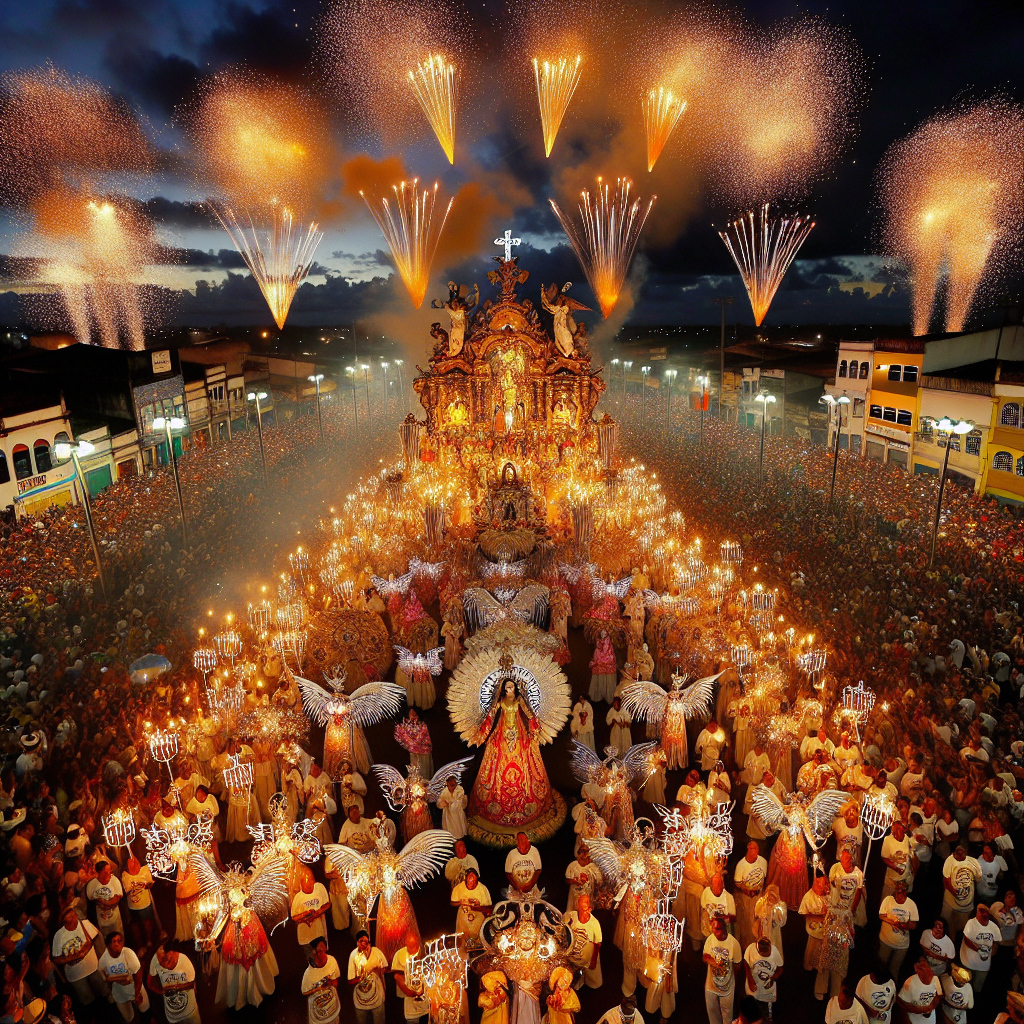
column 583, row 876
column 877, row 992
column 585, row 951
column 978, row 944
column 172, row 975
column 750, row 876
column 960, row 874
column 137, row 881
column 122, row 971
column 522, row 865
column 845, row 1009
column 899, row 865
column 1009, row 917
column 723, row 956
column 105, row 891
column 899, row 918
column 762, row 966
column 814, row 907
column 415, row 1002
column 716, row 901
column 474, row 902
column 937, row 947
column 320, row 985
column 366, row 967
column 920, row 995
column 309, row 907
column 957, row 995
column 75, row 948
column 993, row 867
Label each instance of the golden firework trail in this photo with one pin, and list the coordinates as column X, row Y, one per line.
column 763, row 247
column 412, row 231
column 279, row 255
column 556, row 82
column 662, row 110
column 436, row 85
column 612, row 223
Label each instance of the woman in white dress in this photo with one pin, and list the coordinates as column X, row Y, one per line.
column 452, row 801
column 619, row 719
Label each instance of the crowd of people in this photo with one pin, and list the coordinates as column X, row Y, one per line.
column 909, row 928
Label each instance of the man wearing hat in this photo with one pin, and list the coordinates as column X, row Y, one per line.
column 957, row 995
column 31, row 757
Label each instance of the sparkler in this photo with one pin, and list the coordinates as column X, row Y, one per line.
column 556, row 82
column 662, row 110
column 436, row 85
column 279, row 255
column 763, row 247
column 412, row 232
column 612, row 223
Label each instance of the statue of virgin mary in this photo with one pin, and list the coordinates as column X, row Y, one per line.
column 511, row 700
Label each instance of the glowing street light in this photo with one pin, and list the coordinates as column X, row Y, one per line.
column 384, row 368
column 167, row 424
column 355, row 403
column 765, row 399
column 316, row 378
column 257, row 397
column 948, row 427
column 835, row 403
column 702, row 382
column 670, row 376
column 644, row 371
column 365, row 367
column 401, row 384
column 64, row 450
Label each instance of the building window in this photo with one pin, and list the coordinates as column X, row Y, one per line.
column 876, row 411
column 865, row 369
column 889, row 414
column 910, row 374
column 842, row 368
column 905, row 417
column 1020, row 466
column 896, row 372
column 41, row 450
column 22, row 461
column 1010, row 416
column 5, row 473
column 1003, row 462
column 858, row 408
column 61, row 438
column 973, row 443
column 924, row 426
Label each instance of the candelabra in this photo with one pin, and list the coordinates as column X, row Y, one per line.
column 229, row 645
column 163, row 746
column 118, row 827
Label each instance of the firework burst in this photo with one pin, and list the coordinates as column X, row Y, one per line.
column 612, row 222
column 410, row 222
column 763, row 247
column 951, row 197
column 556, row 82
column 662, row 110
column 436, row 85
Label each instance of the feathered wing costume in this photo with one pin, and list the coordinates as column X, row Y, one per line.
column 615, row 776
column 412, row 795
column 795, row 821
column 528, row 604
column 386, row 874
column 346, row 715
column 510, row 701
column 238, row 907
column 671, row 710
column 420, row 669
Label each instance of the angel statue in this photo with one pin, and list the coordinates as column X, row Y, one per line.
column 420, row 670
column 614, row 776
column 561, row 307
column 458, row 309
column 346, row 715
column 647, row 700
column 236, row 908
column 384, row 873
column 510, row 701
column 412, row 794
column 796, row 820
column 527, row 604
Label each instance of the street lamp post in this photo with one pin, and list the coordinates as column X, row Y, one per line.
column 670, row 376
column 702, row 383
column 257, row 397
column 167, row 424
column 384, row 368
column 355, row 402
column 64, row 450
column 316, row 378
column 765, row 399
column 949, row 427
column 366, row 382
column 644, row 370
column 627, row 364
column 835, row 403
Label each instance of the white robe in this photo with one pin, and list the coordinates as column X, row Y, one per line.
column 453, row 810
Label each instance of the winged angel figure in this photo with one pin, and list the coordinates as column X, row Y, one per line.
column 411, row 794
column 395, row 586
column 796, row 820
column 527, row 604
column 420, row 670
column 609, row 780
column 346, row 715
column 383, row 873
column 647, row 700
column 511, row 701
column 237, row 907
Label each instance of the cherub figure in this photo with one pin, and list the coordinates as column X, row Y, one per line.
column 561, row 307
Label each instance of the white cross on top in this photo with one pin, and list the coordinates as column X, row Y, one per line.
column 508, row 241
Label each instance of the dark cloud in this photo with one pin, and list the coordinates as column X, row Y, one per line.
column 17, row 268
column 158, row 81
column 274, row 38
column 180, row 215
column 223, row 259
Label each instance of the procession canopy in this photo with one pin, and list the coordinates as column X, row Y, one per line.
column 508, row 372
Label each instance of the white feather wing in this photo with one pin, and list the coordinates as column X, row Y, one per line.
column 373, row 702
column 645, row 700
column 698, row 696
column 636, row 761
column 585, row 763
column 424, row 856
column 821, row 812
column 441, row 776
column 392, row 783
column 769, row 808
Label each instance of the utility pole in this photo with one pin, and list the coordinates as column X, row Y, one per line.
column 723, row 301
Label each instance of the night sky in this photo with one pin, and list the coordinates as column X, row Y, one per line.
column 919, row 58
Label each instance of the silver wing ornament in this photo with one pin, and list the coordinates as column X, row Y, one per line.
column 812, row 817
column 647, row 701
column 619, row 589
column 388, row 588
column 409, row 662
column 392, row 784
column 444, row 773
column 365, row 706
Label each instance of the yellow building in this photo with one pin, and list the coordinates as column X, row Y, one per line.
column 892, row 401
column 1004, row 469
